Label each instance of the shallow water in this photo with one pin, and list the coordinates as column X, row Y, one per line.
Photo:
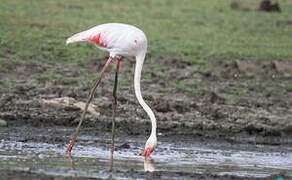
column 91, row 159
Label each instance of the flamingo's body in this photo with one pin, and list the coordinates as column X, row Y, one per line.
column 117, row 39
column 120, row 40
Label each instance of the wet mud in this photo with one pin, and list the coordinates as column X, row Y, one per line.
column 39, row 154
column 241, row 103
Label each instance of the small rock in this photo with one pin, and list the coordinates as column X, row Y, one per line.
column 3, row 123
column 124, row 146
column 69, row 103
column 269, row 6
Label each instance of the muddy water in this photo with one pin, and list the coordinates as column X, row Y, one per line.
column 185, row 156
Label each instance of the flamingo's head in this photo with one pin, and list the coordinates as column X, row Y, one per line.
column 150, row 145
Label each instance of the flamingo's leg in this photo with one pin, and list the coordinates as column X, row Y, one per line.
column 114, row 113
column 90, row 97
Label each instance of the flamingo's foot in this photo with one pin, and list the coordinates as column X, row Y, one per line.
column 69, row 149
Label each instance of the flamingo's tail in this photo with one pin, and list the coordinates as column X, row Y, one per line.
column 79, row 37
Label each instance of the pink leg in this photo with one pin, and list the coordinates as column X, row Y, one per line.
column 90, row 97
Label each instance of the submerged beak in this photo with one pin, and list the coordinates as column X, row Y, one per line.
column 147, row 152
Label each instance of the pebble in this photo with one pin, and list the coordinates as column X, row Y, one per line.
column 3, row 123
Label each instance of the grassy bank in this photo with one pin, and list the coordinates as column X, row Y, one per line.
column 192, row 30
column 33, row 33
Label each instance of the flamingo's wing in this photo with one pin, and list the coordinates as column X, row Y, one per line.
column 116, row 38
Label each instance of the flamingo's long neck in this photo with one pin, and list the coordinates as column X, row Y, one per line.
column 137, row 79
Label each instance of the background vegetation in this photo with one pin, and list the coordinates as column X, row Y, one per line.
column 34, row 32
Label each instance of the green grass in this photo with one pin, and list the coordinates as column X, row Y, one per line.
column 195, row 31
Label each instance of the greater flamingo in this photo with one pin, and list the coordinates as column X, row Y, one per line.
column 120, row 40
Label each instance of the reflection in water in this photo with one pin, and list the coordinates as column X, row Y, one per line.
column 149, row 165
column 71, row 161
